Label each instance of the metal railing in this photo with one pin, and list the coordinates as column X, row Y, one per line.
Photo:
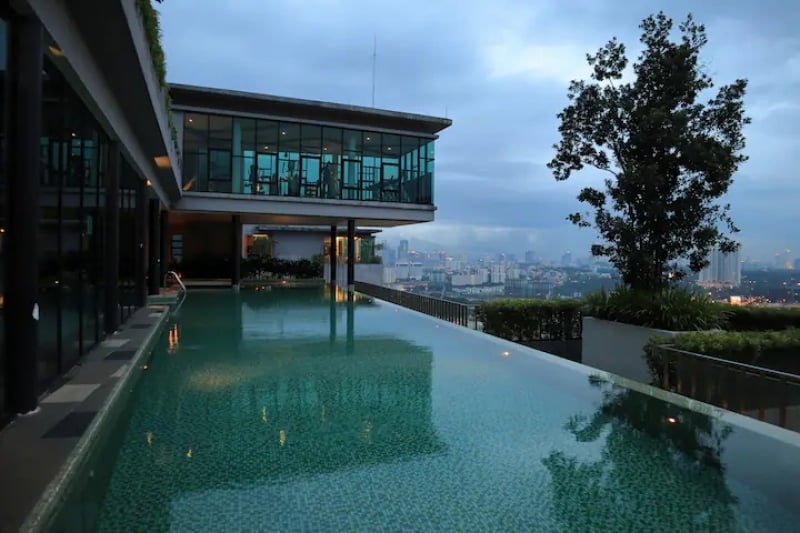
column 181, row 287
column 454, row 312
column 750, row 390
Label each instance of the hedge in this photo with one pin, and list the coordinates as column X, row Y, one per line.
column 752, row 347
column 266, row 267
column 753, row 318
column 673, row 309
column 526, row 320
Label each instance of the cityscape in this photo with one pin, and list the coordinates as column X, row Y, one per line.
column 472, row 277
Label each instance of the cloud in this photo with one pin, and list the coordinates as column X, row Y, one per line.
column 500, row 70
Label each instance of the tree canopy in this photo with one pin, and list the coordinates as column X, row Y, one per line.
column 670, row 150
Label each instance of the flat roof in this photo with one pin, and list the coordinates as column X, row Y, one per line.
column 310, row 110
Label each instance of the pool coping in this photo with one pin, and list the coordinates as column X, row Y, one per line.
column 766, row 429
column 45, row 511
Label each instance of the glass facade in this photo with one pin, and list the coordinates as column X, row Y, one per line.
column 73, row 152
column 264, row 157
column 3, row 40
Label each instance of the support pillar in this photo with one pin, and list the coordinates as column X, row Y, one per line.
column 332, row 252
column 140, row 221
column 164, row 240
column 23, row 128
column 154, row 247
column 351, row 256
column 111, row 248
column 236, row 228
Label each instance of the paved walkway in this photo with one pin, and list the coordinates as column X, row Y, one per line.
column 34, row 449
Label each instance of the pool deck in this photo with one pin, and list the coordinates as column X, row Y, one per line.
column 38, row 451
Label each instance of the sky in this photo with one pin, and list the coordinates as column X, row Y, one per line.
column 500, row 71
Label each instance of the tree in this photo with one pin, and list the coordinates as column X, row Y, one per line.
column 669, row 149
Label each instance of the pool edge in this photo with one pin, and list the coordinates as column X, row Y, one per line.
column 47, row 508
column 766, row 429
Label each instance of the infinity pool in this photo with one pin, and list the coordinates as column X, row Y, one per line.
column 289, row 410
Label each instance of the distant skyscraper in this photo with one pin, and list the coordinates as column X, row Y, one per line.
column 566, row 259
column 797, row 264
column 402, row 250
column 530, row 257
column 723, row 269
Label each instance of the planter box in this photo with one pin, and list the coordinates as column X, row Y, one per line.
column 618, row 348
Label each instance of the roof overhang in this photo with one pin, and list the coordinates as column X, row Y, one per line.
column 194, row 97
column 101, row 49
column 292, row 211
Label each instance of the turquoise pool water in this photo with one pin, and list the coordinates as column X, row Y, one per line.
column 287, row 410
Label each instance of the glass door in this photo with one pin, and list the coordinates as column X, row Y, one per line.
column 390, row 182
column 351, row 178
column 309, row 175
column 219, row 175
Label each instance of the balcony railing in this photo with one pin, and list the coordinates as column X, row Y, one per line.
column 768, row 395
column 454, row 312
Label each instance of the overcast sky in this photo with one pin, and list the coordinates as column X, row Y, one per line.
column 500, row 71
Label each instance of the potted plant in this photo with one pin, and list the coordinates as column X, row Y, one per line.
column 669, row 150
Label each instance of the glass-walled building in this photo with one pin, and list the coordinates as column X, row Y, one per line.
column 230, row 154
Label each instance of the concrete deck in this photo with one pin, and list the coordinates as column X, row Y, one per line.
column 40, row 453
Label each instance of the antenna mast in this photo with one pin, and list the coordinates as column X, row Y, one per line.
column 374, row 60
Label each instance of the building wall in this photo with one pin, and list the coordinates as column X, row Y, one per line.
column 297, row 245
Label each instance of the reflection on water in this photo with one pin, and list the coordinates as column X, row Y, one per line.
column 267, row 408
column 690, row 459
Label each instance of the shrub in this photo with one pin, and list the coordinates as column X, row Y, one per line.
column 752, row 318
column 743, row 346
column 268, row 267
column 525, row 320
column 673, row 309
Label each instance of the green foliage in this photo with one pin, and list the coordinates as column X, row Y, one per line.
column 669, row 149
column 525, row 320
column 744, row 346
column 152, row 29
column 673, row 309
column 753, row 318
column 270, row 267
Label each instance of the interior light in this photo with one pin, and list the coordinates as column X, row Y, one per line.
column 672, row 420
column 2, row 230
column 367, row 138
column 189, row 453
column 266, row 148
column 283, row 133
column 389, row 148
column 190, row 120
column 74, row 134
column 56, row 51
column 325, row 148
column 149, row 183
column 162, row 161
column 506, row 353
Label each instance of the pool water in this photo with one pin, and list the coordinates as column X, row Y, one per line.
column 289, row 410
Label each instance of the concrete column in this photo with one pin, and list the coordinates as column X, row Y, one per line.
column 332, row 253
column 351, row 256
column 236, row 228
column 164, row 241
column 154, row 247
column 140, row 222
column 23, row 129
column 111, row 248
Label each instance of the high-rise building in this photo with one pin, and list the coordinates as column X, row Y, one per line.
column 566, row 259
column 723, row 269
column 797, row 264
column 402, row 250
column 530, row 257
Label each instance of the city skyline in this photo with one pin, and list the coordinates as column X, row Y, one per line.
column 502, row 89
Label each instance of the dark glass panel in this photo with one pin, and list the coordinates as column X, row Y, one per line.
column 220, row 132
column 267, row 137
column 195, row 132
column 311, row 139
column 288, row 138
